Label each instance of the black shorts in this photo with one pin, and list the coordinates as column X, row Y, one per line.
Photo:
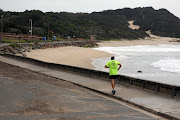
column 112, row 76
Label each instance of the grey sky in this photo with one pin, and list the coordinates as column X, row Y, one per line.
column 87, row 5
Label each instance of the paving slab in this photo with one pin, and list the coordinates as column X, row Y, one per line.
column 156, row 102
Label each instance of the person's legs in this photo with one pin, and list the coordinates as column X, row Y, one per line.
column 113, row 77
column 113, row 83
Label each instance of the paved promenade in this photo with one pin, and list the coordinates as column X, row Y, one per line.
column 38, row 97
column 156, row 102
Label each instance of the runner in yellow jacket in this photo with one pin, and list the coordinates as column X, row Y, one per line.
column 113, row 71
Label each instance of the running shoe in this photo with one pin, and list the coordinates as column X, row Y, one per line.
column 113, row 92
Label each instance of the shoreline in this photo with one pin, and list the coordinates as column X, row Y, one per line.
column 81, row 57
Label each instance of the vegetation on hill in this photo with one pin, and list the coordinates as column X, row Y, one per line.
column 161, row 22
column 110, row 24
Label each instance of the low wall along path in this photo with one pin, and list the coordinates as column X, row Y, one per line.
column 144, row 84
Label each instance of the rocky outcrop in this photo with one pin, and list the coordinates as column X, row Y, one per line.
column 21, row 48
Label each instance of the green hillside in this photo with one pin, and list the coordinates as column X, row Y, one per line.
column 110, row 24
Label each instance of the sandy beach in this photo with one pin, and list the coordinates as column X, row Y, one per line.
column 81, row 57
column 74, row 56
column 148, row 41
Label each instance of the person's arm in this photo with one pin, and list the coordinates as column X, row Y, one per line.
column 106, row 66
column 119, row 66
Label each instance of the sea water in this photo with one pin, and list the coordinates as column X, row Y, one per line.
column 158, row 63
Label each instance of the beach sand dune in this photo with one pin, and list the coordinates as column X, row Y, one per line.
column 132, row 26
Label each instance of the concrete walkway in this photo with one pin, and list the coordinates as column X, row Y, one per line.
column 28, row 95
column 161, row 104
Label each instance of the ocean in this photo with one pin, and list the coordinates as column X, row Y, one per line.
column 158, row 63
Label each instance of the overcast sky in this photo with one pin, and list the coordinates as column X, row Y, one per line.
column 87, row 5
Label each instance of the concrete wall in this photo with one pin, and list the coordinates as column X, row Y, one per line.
column 144, row 84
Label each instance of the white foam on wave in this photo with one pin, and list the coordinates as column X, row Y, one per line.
column 142, row 48
column 169, row 65
column 151, row 59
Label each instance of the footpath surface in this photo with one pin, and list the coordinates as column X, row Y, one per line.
column 162, row 104
column 36, row 96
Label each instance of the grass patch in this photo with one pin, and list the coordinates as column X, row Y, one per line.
column 90, row 46
column 14, row 45
column 15, row 41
